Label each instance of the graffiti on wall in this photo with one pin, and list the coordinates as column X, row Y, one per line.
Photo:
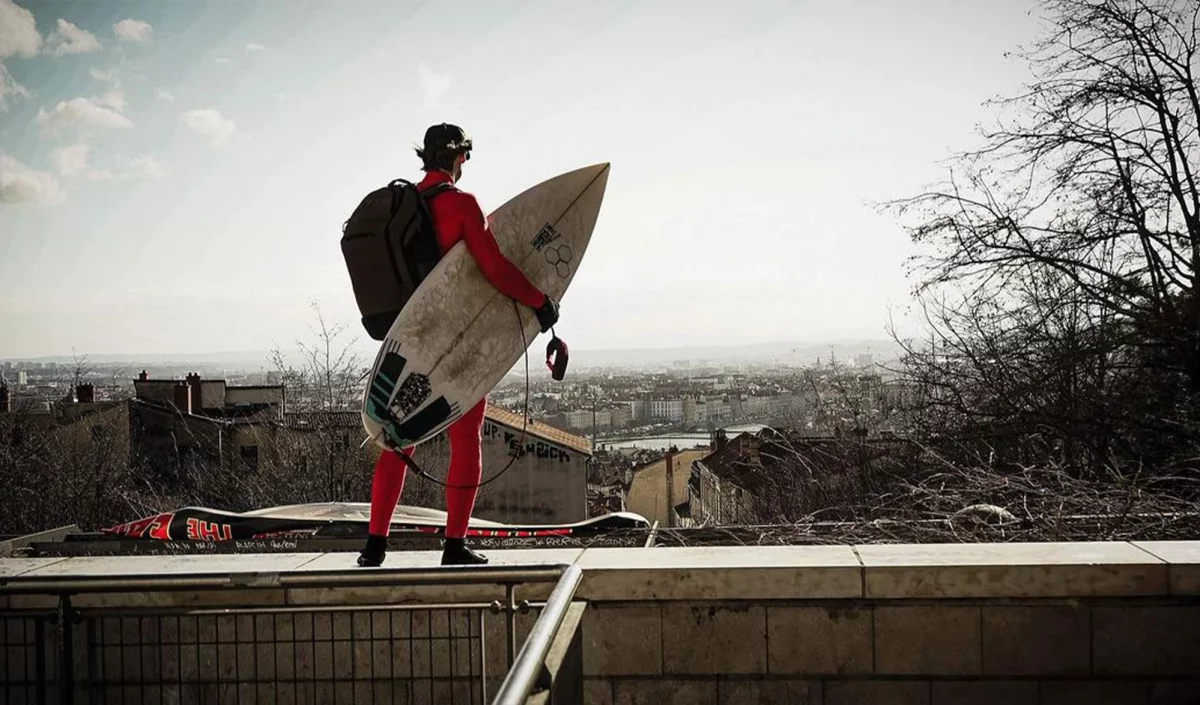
column 512, row 439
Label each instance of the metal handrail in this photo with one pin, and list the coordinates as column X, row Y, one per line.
column 524, row 672
column 384, row 577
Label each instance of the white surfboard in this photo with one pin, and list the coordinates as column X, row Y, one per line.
column 458, row 335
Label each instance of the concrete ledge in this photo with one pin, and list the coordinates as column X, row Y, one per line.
column 12, row 567
column 403, row 594
column 754, row 573
column 1183, row 558
column 720, row 573
column 270, row 565
column 1117, row 569
column 112, row 566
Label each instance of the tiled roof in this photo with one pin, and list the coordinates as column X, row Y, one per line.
column 783, row 452
column 537, row 428
column 728, row 462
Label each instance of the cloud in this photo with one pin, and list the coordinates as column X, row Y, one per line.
column 209, row 122
column 81, row 112
column 18, row 31
column 133, row 31
column 9, row 87
column 114, row 98
column 18, row 37
column 20, row 184
column 109, row 76
column 72, row 160
column 433, row 86
column 251, row 48
column 226, row 62
column 166, row 95
column 69, row 39
column 145, row 167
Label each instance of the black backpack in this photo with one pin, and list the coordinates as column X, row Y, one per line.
column 390, row 247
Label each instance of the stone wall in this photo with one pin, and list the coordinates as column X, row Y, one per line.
column 919, row 652
column 1007, row 624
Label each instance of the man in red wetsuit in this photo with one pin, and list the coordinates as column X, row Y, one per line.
column 456, row 216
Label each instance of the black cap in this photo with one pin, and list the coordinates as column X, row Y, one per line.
column 446, row 138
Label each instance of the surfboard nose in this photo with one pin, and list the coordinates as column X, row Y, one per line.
column 602, row 171
column 593, row 178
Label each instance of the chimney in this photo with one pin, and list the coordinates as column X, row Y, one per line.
column 193, row 383
column 719, row 439
column 5, row 400
column 85, row 393
column 670, row 486
column 183, row 397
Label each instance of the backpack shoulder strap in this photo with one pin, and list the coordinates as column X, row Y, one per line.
column 436, row 189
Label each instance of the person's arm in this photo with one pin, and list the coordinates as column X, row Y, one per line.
column 502, row 273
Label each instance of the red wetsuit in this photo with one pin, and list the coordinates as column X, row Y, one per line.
column 456, row 216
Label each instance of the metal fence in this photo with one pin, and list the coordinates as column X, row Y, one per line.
column 28, row 644
column 371, row 653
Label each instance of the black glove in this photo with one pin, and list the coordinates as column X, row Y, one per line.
column 548, row 314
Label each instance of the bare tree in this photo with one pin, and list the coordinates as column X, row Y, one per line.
column 845, row 401
column 322, row 389
column 63, row 473
column 80, row 369
column 329, row 376
column 119, row 385
column 1060, row 259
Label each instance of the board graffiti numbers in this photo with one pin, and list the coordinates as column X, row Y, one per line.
column 544, row 237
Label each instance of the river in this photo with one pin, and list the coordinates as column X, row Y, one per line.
column 682, row 441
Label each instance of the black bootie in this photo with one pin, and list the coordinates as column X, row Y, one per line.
column 372, row 556
column 455, row 552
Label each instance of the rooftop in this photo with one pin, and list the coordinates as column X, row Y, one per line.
column 544, row 431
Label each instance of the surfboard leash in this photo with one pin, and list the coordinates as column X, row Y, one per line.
column 412, row 464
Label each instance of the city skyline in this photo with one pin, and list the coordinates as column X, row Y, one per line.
column 174, row 176
column 787, row 352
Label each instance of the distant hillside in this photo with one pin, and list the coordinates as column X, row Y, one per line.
column 783, row 351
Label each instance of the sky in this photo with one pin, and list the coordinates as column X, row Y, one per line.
column 174, row 175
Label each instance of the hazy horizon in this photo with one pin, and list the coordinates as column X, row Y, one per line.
column 592, row 357
column 173, row 176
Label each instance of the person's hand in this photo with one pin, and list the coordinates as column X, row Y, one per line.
column 548, row 314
